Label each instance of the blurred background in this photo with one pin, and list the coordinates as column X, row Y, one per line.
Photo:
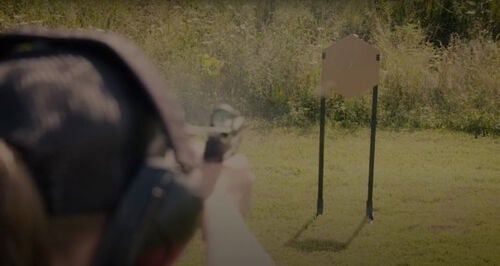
column 440, row 58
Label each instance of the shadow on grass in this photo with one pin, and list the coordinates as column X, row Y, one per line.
column 310, row 245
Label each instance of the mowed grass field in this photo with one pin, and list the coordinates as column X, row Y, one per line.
column 436, row 198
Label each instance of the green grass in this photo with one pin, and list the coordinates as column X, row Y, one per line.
column 436, row 198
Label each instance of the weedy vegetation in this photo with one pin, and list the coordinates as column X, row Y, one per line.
column 440, row 58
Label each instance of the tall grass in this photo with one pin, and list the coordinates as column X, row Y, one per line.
column 445, row 87
column 265, row 56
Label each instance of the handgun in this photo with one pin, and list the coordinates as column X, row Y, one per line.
column 224, row 134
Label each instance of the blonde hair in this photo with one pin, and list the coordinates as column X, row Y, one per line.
column 23, row 222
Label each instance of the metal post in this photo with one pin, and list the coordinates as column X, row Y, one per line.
column 321, row 156
column 369, row 202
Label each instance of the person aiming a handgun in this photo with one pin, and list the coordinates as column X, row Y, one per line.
column 87, row 128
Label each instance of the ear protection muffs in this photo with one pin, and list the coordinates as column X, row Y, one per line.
column 156, row 215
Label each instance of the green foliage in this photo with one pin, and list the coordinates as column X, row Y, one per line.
column 424, row 86
column 265, row 56
column 444, row 18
